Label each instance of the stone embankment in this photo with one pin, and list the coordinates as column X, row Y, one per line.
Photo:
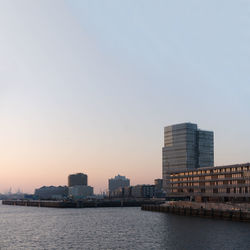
column 37, row 203
column 227, row 211
column 82, row 203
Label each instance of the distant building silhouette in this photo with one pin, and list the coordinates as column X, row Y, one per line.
column 80, row 191
column 143, row 191
column 118, row 182
column 158, row 184
column 77, row 180
column 138, row 191
column 159, row 193
column 51, row 193
column 78, row 186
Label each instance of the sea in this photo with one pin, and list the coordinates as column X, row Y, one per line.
column 115, row 228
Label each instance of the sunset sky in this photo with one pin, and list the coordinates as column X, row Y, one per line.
column 88, row 86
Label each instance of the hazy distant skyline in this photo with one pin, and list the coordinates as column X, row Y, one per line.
column 88, row 86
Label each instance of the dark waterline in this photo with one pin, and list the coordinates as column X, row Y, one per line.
column 115, row 228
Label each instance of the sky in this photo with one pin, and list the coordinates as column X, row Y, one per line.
column 88, row 86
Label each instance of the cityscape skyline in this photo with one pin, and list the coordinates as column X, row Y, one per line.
column 82, row 93
column 124, row 124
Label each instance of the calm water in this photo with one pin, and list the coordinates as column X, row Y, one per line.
column 115, row 228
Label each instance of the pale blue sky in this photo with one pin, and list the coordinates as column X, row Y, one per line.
column 89, row 85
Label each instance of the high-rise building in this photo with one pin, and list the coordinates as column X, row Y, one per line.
column 118, row 182
column 186, row 147
column 205, row 148
column 77, row 179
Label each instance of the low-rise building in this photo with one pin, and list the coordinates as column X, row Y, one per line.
column 51, row 193
column 221, row 183
column 117, row 193
column 159, row 192
column 138, row 191
column 158, row 184
column 143, row 191
column 80, row 192
column 122, row 192
column 127, row 191
column 118, row 182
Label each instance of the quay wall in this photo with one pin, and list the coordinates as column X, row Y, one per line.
column 237, row 215
column 80, row 204
column 31, row 203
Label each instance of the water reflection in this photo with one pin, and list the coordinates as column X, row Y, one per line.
column 115, row 228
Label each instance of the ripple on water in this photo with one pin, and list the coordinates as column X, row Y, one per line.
column 115, row 228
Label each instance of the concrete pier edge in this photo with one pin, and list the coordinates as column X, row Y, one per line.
column 200, row 212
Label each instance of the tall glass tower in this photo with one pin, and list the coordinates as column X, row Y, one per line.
column 186, row 147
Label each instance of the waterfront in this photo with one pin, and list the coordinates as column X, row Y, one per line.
column 115, row 228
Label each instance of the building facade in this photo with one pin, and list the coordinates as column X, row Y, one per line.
column 143, row 191
column 77, row 179
column 158, row 184
column 159, row 192
column 186, row 147
column 80, row 191
column 51, row 193
column 138, row 191
column 118, row 182
column 221, row 183
column 205, row 146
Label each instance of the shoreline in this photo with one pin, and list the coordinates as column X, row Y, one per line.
column 210, row 210
column 80, row 204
